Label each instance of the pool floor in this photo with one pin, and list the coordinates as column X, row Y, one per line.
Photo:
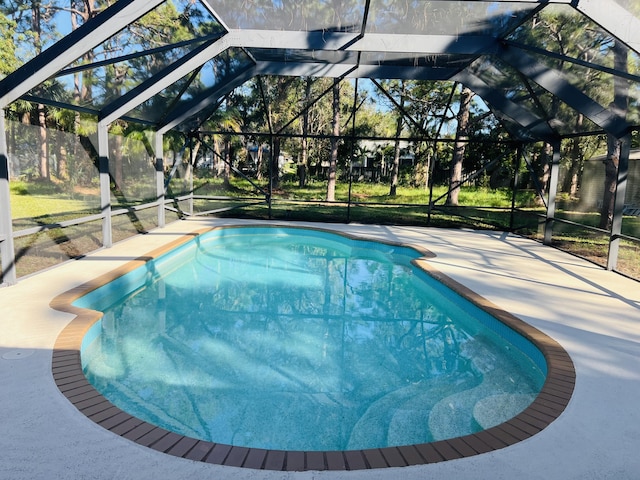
column 67, row 372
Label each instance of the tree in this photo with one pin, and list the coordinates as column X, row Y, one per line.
column 462, row 135
column 395, row 169
column 561, row 31
column 277, row 93
column 38, row 16
column 333, row 159
column 8, row 59
column 227, row 119
column 427, row 103
column 81, row 11
column 614, row 145
column 304, row 154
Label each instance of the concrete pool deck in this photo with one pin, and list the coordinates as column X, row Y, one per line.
column 594, row 314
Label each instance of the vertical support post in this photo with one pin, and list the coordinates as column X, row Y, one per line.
column 7, row 251
column 190, row 173
column 432, row 167
column 105, row 188
column 350, row 188
column 159, row 164
column 353, row 146
column 270, row 193
column 618, row 209
column 553, row 192
column 514, row 187
column 271, row 144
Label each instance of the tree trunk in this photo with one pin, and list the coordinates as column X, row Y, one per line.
column 546, row 158
column 572, row 178
column 43, row 160
column 619, row 106
column 259, row 162
column 217, row 157
column 610, row 182
column 395, row 168
column 275, row 163
column 304, row 156
column 118, row 169
column 226, row 175
column 62, row 171
column 427, row 169
column 85, row 9
column 188, row 171
column 333, row 160
column 462, row 134
column 43, row 154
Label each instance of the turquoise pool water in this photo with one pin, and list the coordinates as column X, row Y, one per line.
column 296, row 339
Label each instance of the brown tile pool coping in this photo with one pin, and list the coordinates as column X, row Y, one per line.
column 71, row 381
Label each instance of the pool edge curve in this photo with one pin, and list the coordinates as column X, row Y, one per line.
column 67, row 372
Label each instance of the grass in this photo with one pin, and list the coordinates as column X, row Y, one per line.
column 37, row 203
column 50, row 247
column 34, row 206
column 365, row 193
column 31, row 200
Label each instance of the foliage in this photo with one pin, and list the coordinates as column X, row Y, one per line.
column 32, row 200
column 8, row 60
column 300, row 108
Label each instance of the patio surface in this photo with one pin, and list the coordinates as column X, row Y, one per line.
column 592, row 313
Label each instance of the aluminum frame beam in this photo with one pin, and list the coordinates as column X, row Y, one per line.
column 426, row 44
column 300, row 69
column 159, row 166
column 125, row 58
column 125, row 11
column 404, row 73
column 536, row 125
column 521, row 1
column 296, row 69
column 105, row 184
column 163, row 79
column 7, row 250
column 369, row 42
column 328, row 70
column 403, row 112
column 253, row 38
column 73, row 46
column 206, row 99
column 553, row 193
column 606, row 12
column 614, row 18
column 576, row 61
column 556, row 83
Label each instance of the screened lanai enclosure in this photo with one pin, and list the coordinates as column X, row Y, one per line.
column 120, row 116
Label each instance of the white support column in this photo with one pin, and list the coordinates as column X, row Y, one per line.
column 553, row 192
column 190, row 173
column 618, row 209
column 159, row 163
column 7, row 252
column 105, row 187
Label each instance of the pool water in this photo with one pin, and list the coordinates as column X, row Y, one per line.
column 296, row 339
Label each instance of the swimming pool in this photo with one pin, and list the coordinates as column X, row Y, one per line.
column 347, row 312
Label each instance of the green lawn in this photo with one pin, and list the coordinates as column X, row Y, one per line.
column 365, row 193
column 38, row 203
column 35, row 200
column 33, row 206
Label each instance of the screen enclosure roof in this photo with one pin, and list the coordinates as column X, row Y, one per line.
column 537, row 65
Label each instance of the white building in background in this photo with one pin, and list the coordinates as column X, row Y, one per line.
column 592, row 184
column 374, row 158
